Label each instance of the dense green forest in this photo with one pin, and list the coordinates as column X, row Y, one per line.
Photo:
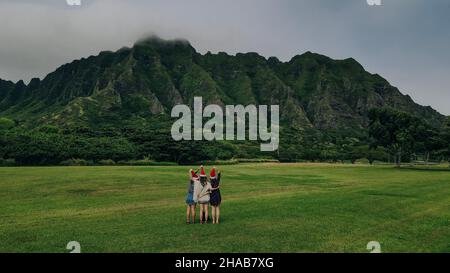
column 393, row 136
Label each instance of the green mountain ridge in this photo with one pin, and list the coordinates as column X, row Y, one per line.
column 134, row 85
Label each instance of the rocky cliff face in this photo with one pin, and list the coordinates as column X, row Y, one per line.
column 147, row 80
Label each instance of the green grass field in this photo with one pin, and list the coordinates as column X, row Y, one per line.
column 266, row 208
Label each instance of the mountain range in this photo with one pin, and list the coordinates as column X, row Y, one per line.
column 134, row 85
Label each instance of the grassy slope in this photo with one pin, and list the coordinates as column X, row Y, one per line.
column 280, row 208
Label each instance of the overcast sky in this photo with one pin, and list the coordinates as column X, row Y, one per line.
column 405, row 41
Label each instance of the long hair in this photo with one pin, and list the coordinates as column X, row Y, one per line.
column 203, row 180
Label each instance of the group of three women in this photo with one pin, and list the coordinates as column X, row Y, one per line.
column 204, row 191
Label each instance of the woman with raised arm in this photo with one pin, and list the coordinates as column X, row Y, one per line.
column 215, row 197
column 190, row 202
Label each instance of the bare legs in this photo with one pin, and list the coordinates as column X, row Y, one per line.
column 203, row 213
column 190, row 212
column 193, row 213
column 205, row 209
column 215, row 214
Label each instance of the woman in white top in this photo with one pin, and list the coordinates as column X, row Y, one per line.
column 204, row 189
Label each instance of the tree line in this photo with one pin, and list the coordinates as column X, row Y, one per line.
column 405, row 135
column 392, row 136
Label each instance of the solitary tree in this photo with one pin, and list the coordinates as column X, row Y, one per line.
column 433, row 142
